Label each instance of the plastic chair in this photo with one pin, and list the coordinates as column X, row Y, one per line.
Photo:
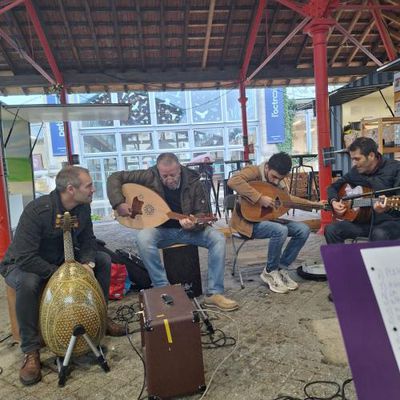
column 237, row 239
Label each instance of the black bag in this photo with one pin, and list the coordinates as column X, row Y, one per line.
column 137, row 272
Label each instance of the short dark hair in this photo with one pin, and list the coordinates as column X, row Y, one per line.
column 281, row 163
column 169, row 158
column 69, row 175
column 365, row 145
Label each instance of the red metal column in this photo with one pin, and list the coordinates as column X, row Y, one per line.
column 318, row 30
column 5, row 237
column 243, row 101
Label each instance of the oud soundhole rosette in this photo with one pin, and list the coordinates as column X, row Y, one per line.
column 148, row 209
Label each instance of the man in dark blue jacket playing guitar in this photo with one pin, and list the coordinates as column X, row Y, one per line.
column 378, row 220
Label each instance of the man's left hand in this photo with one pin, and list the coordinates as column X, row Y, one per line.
column 381, row 205
column 88, row 268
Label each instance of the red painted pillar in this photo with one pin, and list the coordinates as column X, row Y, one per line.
column 243, row 101
column 318, row 29
column 5, row 236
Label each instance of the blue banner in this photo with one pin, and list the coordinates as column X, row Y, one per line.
column 275, row 115
column 57, row 133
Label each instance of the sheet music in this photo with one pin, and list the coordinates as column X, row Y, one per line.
column 383, row 270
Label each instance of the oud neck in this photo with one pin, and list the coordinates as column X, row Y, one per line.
column 68, row 247
column 176, row 216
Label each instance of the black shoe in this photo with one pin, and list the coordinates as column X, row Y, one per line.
column 330, row 298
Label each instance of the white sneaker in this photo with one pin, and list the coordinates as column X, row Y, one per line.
column 287, row 280
column 274, row 281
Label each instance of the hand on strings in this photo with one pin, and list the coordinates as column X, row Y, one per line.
column 381, row 205
column 339, row 208
column 124, row 210
column 266, row 201
column 188, row 223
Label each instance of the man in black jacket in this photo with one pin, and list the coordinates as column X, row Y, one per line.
column 182, row 190
column 373, row 172
column 37, row 250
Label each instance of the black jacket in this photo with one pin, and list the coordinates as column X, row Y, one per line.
column 38, row 246
column 386, row 175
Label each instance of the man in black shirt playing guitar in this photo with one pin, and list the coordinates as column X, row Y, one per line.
column 370, row 173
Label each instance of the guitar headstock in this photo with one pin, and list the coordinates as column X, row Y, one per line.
column 393, row 202
column 66, row 222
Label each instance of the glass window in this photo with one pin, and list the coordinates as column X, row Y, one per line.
column 171, row 107
column 136, row 141
column 97, row 98
column 206, row 106
column 140, row 108
column 100, row 169
column 148, row 161
column 99, row 143
column 131, row 163
column 208, row 137
column 236, row 135
column 184, row 157
column 173, row 139
column 233, row 110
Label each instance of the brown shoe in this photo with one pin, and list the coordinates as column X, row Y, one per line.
column 29, row 373
column 221, row 302
column 113, row 329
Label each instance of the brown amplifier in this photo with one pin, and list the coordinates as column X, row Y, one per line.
column 171, row 343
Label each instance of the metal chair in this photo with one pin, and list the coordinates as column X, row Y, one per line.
column 237, row 239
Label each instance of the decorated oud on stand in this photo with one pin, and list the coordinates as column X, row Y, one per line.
column 149, row 210
column 71, row 297
column 283, row 202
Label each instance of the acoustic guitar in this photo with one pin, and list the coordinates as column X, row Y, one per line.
column 360, row 209
column 282, row 203
column 149, row 210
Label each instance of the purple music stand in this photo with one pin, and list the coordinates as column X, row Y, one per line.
column 372, row 362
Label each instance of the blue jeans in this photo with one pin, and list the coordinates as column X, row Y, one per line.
column 277, row 233
column 151, row 239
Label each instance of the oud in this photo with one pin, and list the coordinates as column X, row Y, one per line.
column 148, row 209
column 282, row 202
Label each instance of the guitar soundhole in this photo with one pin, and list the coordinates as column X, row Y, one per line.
column 148, row 209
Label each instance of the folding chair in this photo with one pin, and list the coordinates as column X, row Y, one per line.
column 237, row 240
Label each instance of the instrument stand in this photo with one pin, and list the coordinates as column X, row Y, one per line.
column 79, row 330
column 209, row 187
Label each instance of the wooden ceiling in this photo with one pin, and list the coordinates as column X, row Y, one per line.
column 121, row 45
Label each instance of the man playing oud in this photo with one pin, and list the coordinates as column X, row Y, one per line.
column 372, row 172
column 273, row 171
column 182, row 190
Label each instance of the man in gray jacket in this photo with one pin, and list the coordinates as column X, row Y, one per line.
column 38, row 250
column 182, row 190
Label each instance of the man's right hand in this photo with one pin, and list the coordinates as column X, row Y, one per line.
column 338, row 208
column 266, row 201
column 124, row 210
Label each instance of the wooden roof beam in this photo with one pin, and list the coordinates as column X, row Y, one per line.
column 185, row 34
column 139, row 24
column 363, row 37
column 392, row 18
column 208, row 33
column 353, row 22
column 7, row 59
column 292, row 26
column 227, row 35
column 265, row 50
column 69, row 33
column 116, row 33
column 93, row 32
column 12, row 20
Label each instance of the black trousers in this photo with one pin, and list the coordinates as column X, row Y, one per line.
column 338, row 232
column 28, row 287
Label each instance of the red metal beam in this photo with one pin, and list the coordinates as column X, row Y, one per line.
column 293, row 6
column 243, row 72
column 383, row 32
column 10, row 6
column 25, row 55
column 278, row 48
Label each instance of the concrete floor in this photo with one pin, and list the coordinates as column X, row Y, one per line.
column 283, row 341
